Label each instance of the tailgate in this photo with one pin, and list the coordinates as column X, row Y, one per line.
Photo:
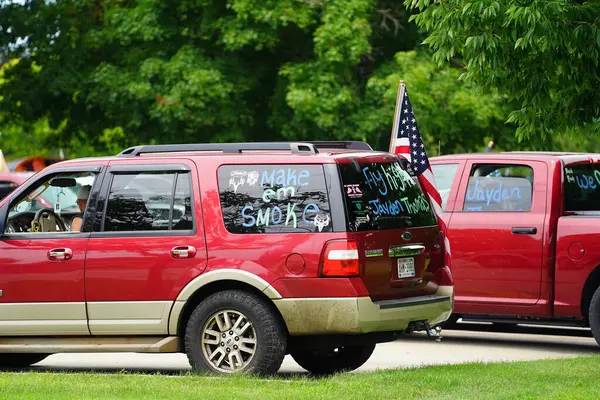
column 394, row 226
column 394, row 267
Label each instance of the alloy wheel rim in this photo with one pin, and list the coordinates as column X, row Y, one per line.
column 228, row 341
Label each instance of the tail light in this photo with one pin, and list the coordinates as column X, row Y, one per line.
column 443, row 277
column 340, row 258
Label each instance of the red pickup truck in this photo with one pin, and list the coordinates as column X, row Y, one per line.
column 524, row 229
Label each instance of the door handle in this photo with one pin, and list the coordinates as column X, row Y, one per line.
column 524, row 231
column 183, row 252
column 63, row 254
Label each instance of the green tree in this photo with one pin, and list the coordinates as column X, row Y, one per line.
column 93, row 77
column 542, row 55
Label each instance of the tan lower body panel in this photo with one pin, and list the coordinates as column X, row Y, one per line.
column 142, row 344
column 309, row 316
column 129, row 317
column 34, row 319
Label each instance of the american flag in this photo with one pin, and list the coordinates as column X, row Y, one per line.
column 406, row 141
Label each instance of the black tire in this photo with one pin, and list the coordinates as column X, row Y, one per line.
column 20, row 360
column 268, row 332
column 594, row 315
column 342, row 359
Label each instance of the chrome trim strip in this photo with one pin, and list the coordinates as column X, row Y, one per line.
column 407, row 250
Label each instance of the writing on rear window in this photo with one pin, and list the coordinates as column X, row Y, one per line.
column 390, row 178
column 585, row 180
column 383, row 196
column 274, row 198
column 582, row 187
column 492, row 193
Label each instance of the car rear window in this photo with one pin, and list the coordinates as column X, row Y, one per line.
column 582, row 187
column 274, row 198
column 382, row 196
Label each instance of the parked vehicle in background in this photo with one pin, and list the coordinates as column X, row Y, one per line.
column 32, row 164
column 9, row 181
column 524, row 229
column 236, row 254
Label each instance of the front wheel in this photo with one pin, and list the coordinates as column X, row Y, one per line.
column 331, row 361
column 594, row 315
column 20, row 360
column 235, row 331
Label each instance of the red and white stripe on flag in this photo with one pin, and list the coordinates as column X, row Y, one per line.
column 406, row 141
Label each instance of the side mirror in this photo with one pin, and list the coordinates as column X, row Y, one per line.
column 63, row 182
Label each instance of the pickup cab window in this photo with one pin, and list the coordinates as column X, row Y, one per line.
column 499, row 187
column 444, row 177
column 582, row 187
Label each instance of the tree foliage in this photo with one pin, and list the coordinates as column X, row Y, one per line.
column 542, row 54
column 95, row 76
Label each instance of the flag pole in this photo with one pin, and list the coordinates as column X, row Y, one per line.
column 399, row 97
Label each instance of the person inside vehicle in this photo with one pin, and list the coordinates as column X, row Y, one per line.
column 82, row 197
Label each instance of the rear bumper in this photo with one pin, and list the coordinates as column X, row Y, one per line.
column 312, row 316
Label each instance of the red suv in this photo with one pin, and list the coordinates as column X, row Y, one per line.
column 236, row 254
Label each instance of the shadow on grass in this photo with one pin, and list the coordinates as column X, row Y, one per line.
column 163, row 372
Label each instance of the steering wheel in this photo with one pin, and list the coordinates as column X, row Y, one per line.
column 53, row 220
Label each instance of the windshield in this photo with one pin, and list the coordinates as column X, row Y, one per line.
column 582, row 187
column 383, row 196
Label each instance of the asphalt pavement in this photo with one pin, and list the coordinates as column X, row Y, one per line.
column 469, row 343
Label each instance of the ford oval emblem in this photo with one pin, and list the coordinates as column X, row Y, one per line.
column 406, row 235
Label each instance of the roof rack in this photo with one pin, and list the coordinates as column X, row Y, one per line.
column 350, row 145
column 294, row 147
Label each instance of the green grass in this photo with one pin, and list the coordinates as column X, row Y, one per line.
column 549, row 379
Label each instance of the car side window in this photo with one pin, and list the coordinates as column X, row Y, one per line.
column 57, row 204
column 274, row 199
column 444, row 175
column 149, row 201
column 582, row 188
column 499, row 187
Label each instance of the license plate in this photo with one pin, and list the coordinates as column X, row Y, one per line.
column 406, row 267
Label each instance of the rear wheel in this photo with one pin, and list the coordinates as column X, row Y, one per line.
column 235, row 331
column 340, row 359
column 20, row 360
column 594, row 315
